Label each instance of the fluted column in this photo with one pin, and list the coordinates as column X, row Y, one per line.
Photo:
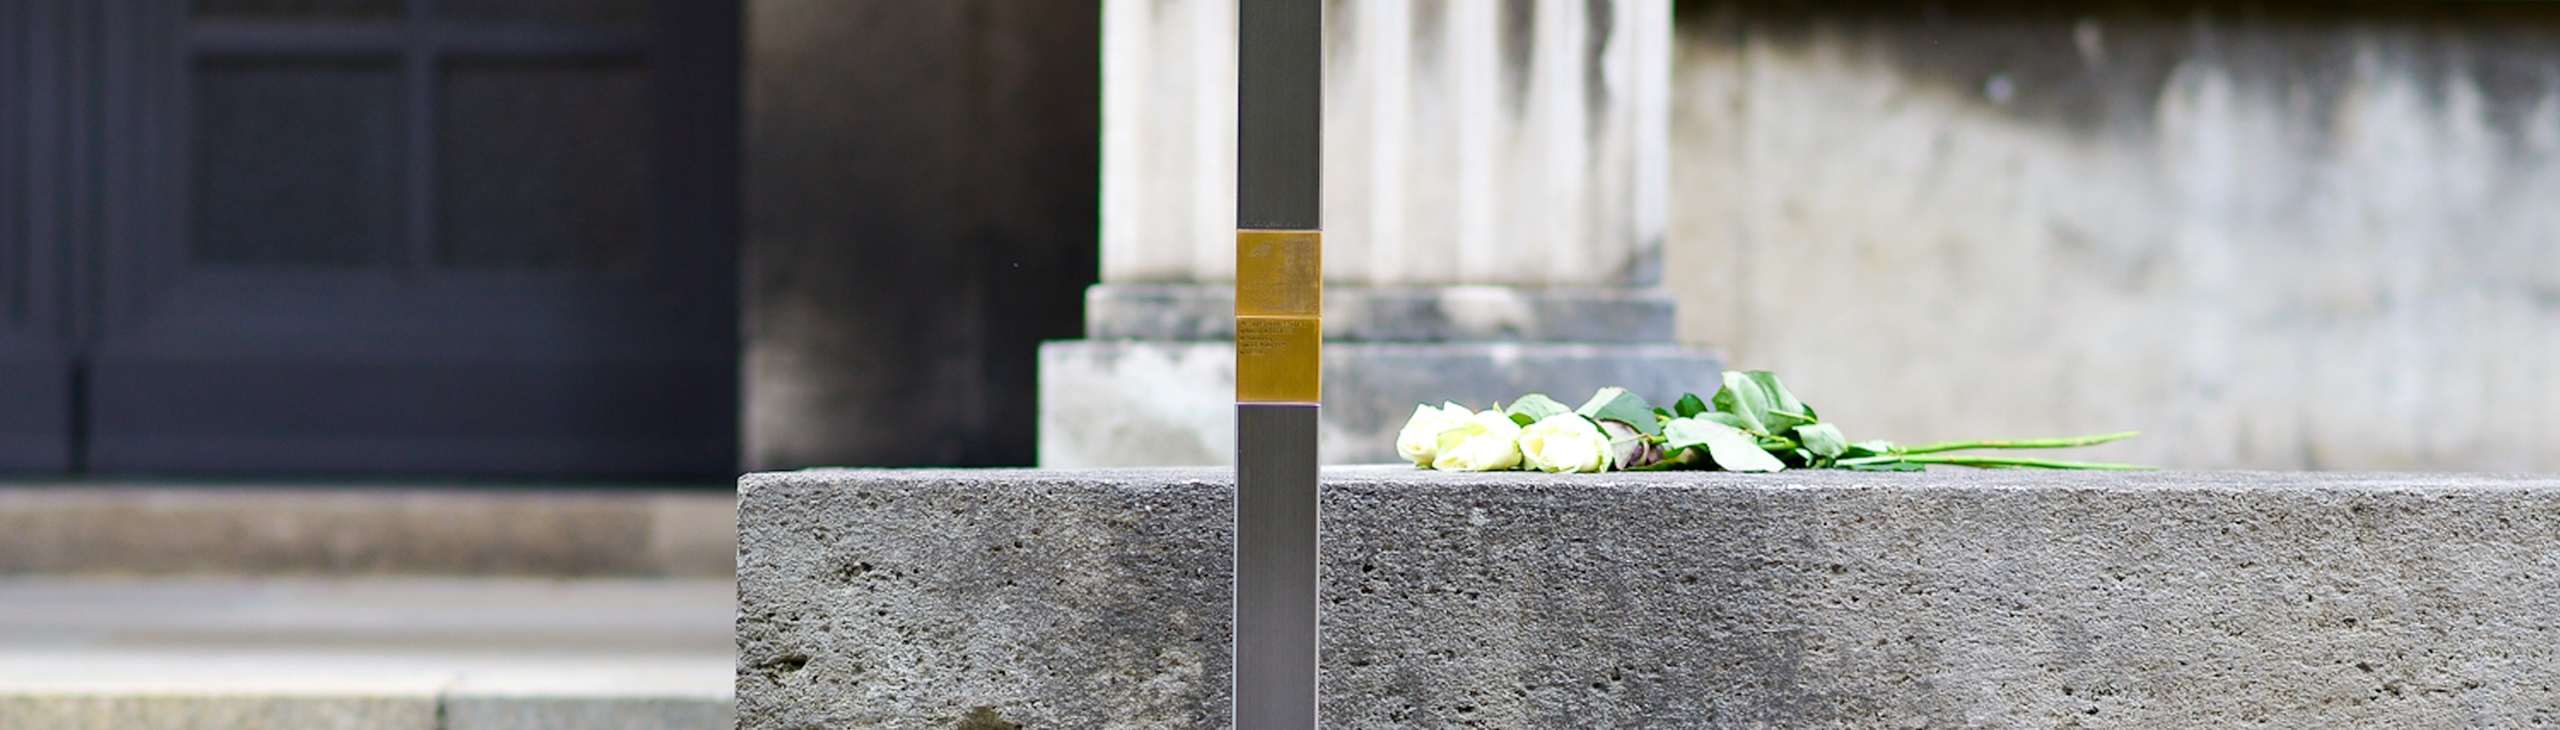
column 1467, row 142
column 1495, row 179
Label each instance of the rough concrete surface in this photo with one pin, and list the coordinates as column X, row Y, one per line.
column 1107, row 403
column 2271, row 235
column 1807, row 599
column 909, row 599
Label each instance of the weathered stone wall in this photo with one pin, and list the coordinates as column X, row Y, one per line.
column 2271, row 235
column 1822, row 599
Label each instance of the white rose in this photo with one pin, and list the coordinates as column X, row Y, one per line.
column 1419, row 442
column 1566, row 443
column 1487, row 441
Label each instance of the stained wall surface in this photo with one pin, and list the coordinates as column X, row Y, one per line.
column 2270, row 235
column 921, row 212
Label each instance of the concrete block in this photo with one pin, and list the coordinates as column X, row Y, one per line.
column 1803, row 599
column 1145, row 403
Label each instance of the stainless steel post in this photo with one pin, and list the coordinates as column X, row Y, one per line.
column 1279, row 360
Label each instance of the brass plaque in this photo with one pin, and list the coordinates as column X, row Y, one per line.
column 1279, row 273
column 1279, row 359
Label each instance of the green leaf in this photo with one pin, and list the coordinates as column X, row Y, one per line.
column 1823, row 439
column 1744, row 400
column 1683, row 433
column 1616, row 404
column 1728, row 419
column 1523, row 419
column 1780, row 398
column 1729, row 447
column 1738, row 453
column 1688, row 406
column 1874, row 447
column 1785, row 411
column 1537, row 406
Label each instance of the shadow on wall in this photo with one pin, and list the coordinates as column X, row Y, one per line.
column 2271, row 235
column 921, row 206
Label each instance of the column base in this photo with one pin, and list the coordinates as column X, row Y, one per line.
column 1110, row 403
column 1198, row 312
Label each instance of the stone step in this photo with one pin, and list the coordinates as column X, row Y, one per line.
column 395, row 653
column 364, row 529
column 374, row 691
column 1951, row 598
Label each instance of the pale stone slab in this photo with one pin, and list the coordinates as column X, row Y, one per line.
column 1198, row 312
column 1950, row 598
column 325, row 689
column 295, row 653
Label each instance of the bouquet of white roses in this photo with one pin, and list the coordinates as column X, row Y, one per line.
column 1752, row 424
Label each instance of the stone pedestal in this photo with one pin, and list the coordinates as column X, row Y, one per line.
column 1494, row 186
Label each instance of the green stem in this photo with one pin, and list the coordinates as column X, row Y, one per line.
column 2001, row 462
column 2058, row 443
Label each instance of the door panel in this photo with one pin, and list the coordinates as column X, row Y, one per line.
column 517, row 414
column 413, row 245
column 35, row 412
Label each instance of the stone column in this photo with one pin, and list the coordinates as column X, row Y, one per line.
column 1495, row 183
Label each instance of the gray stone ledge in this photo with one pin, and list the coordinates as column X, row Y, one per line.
column 1203, row 312
column 1951, row 598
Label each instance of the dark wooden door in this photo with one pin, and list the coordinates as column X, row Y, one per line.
column 41, row 208
column 408, row 237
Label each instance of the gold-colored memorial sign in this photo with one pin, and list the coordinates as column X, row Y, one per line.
column 1279, row 359
column 1279, row 316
